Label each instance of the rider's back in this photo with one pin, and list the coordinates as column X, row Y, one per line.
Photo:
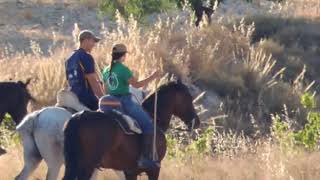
column 77, row 65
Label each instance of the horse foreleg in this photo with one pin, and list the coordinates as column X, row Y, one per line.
column 2, row 151
column 130, row 176
column 153, row 174
column 31, row 155
column 1, row 117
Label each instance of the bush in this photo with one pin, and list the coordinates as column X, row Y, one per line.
column 8, row 136
column 208, row 142
column 293, row 42
column 138, row 8
column 307, row 137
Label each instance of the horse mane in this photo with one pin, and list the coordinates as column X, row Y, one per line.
column 163, row 90
column 170, row 85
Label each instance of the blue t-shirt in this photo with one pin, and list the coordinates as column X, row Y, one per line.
column 78, row 65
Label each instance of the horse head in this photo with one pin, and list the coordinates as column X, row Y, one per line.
column 24, row 86
column 184, row 107
column 175, row 99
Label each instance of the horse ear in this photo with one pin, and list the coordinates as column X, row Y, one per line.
column 179, row 81
column 27, row 82
column 172, row 78
column 24, row 85
column 164, row 79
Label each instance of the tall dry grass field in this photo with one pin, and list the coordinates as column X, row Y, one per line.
column 304, row 8
column 222, row 59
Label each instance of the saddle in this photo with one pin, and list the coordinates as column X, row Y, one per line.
column 68, row 100
column 111, row 104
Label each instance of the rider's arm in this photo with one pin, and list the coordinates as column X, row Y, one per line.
column 138, row 84
column 91, row 76
column 95, row 84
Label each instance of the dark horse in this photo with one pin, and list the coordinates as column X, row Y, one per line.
column 14, row 99
column 95, row 140
column 200, row 9
column 199, row 14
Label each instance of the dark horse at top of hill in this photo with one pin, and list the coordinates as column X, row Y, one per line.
column 14, row 99
column 95, row 140
column 200, row 9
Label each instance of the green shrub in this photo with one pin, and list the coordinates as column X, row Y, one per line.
column 306, row 137
column 207, row 142
column 8, row 136
column 138, row 8
column 202, row 145
column 282, row 132
column 199, row 146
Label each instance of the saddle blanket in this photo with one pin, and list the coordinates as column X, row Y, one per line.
column 69, row 101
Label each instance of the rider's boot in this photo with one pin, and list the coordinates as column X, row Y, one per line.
column 146, row 162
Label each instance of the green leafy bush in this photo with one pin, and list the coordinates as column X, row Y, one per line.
column 138, row 8
column 8, row 137
column 307, row 137
column 202, row 145
column 199, row 146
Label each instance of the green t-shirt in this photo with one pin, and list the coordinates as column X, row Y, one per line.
column 117, row 83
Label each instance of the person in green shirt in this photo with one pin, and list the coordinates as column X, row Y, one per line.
column 117, row 78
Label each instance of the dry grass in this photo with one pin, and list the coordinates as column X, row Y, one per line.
column 267, row 163
column 293, row 42
column 12, row 163
column 264, row 166
column 302, row 8
column 87, row 3
column 216, row 57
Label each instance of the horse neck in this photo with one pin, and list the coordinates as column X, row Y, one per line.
column 165, row 109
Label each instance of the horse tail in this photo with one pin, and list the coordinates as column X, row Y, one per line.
column 27, row 123
column 71, row 148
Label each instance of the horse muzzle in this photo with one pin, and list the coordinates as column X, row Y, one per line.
column 194, row 124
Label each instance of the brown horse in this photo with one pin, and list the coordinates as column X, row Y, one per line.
column 95, row 140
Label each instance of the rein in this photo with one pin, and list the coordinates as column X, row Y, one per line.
column 154, row 153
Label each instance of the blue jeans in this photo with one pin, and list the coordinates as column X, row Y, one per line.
column 138, row 113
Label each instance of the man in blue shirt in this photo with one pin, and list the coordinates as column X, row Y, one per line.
column 81, row 74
